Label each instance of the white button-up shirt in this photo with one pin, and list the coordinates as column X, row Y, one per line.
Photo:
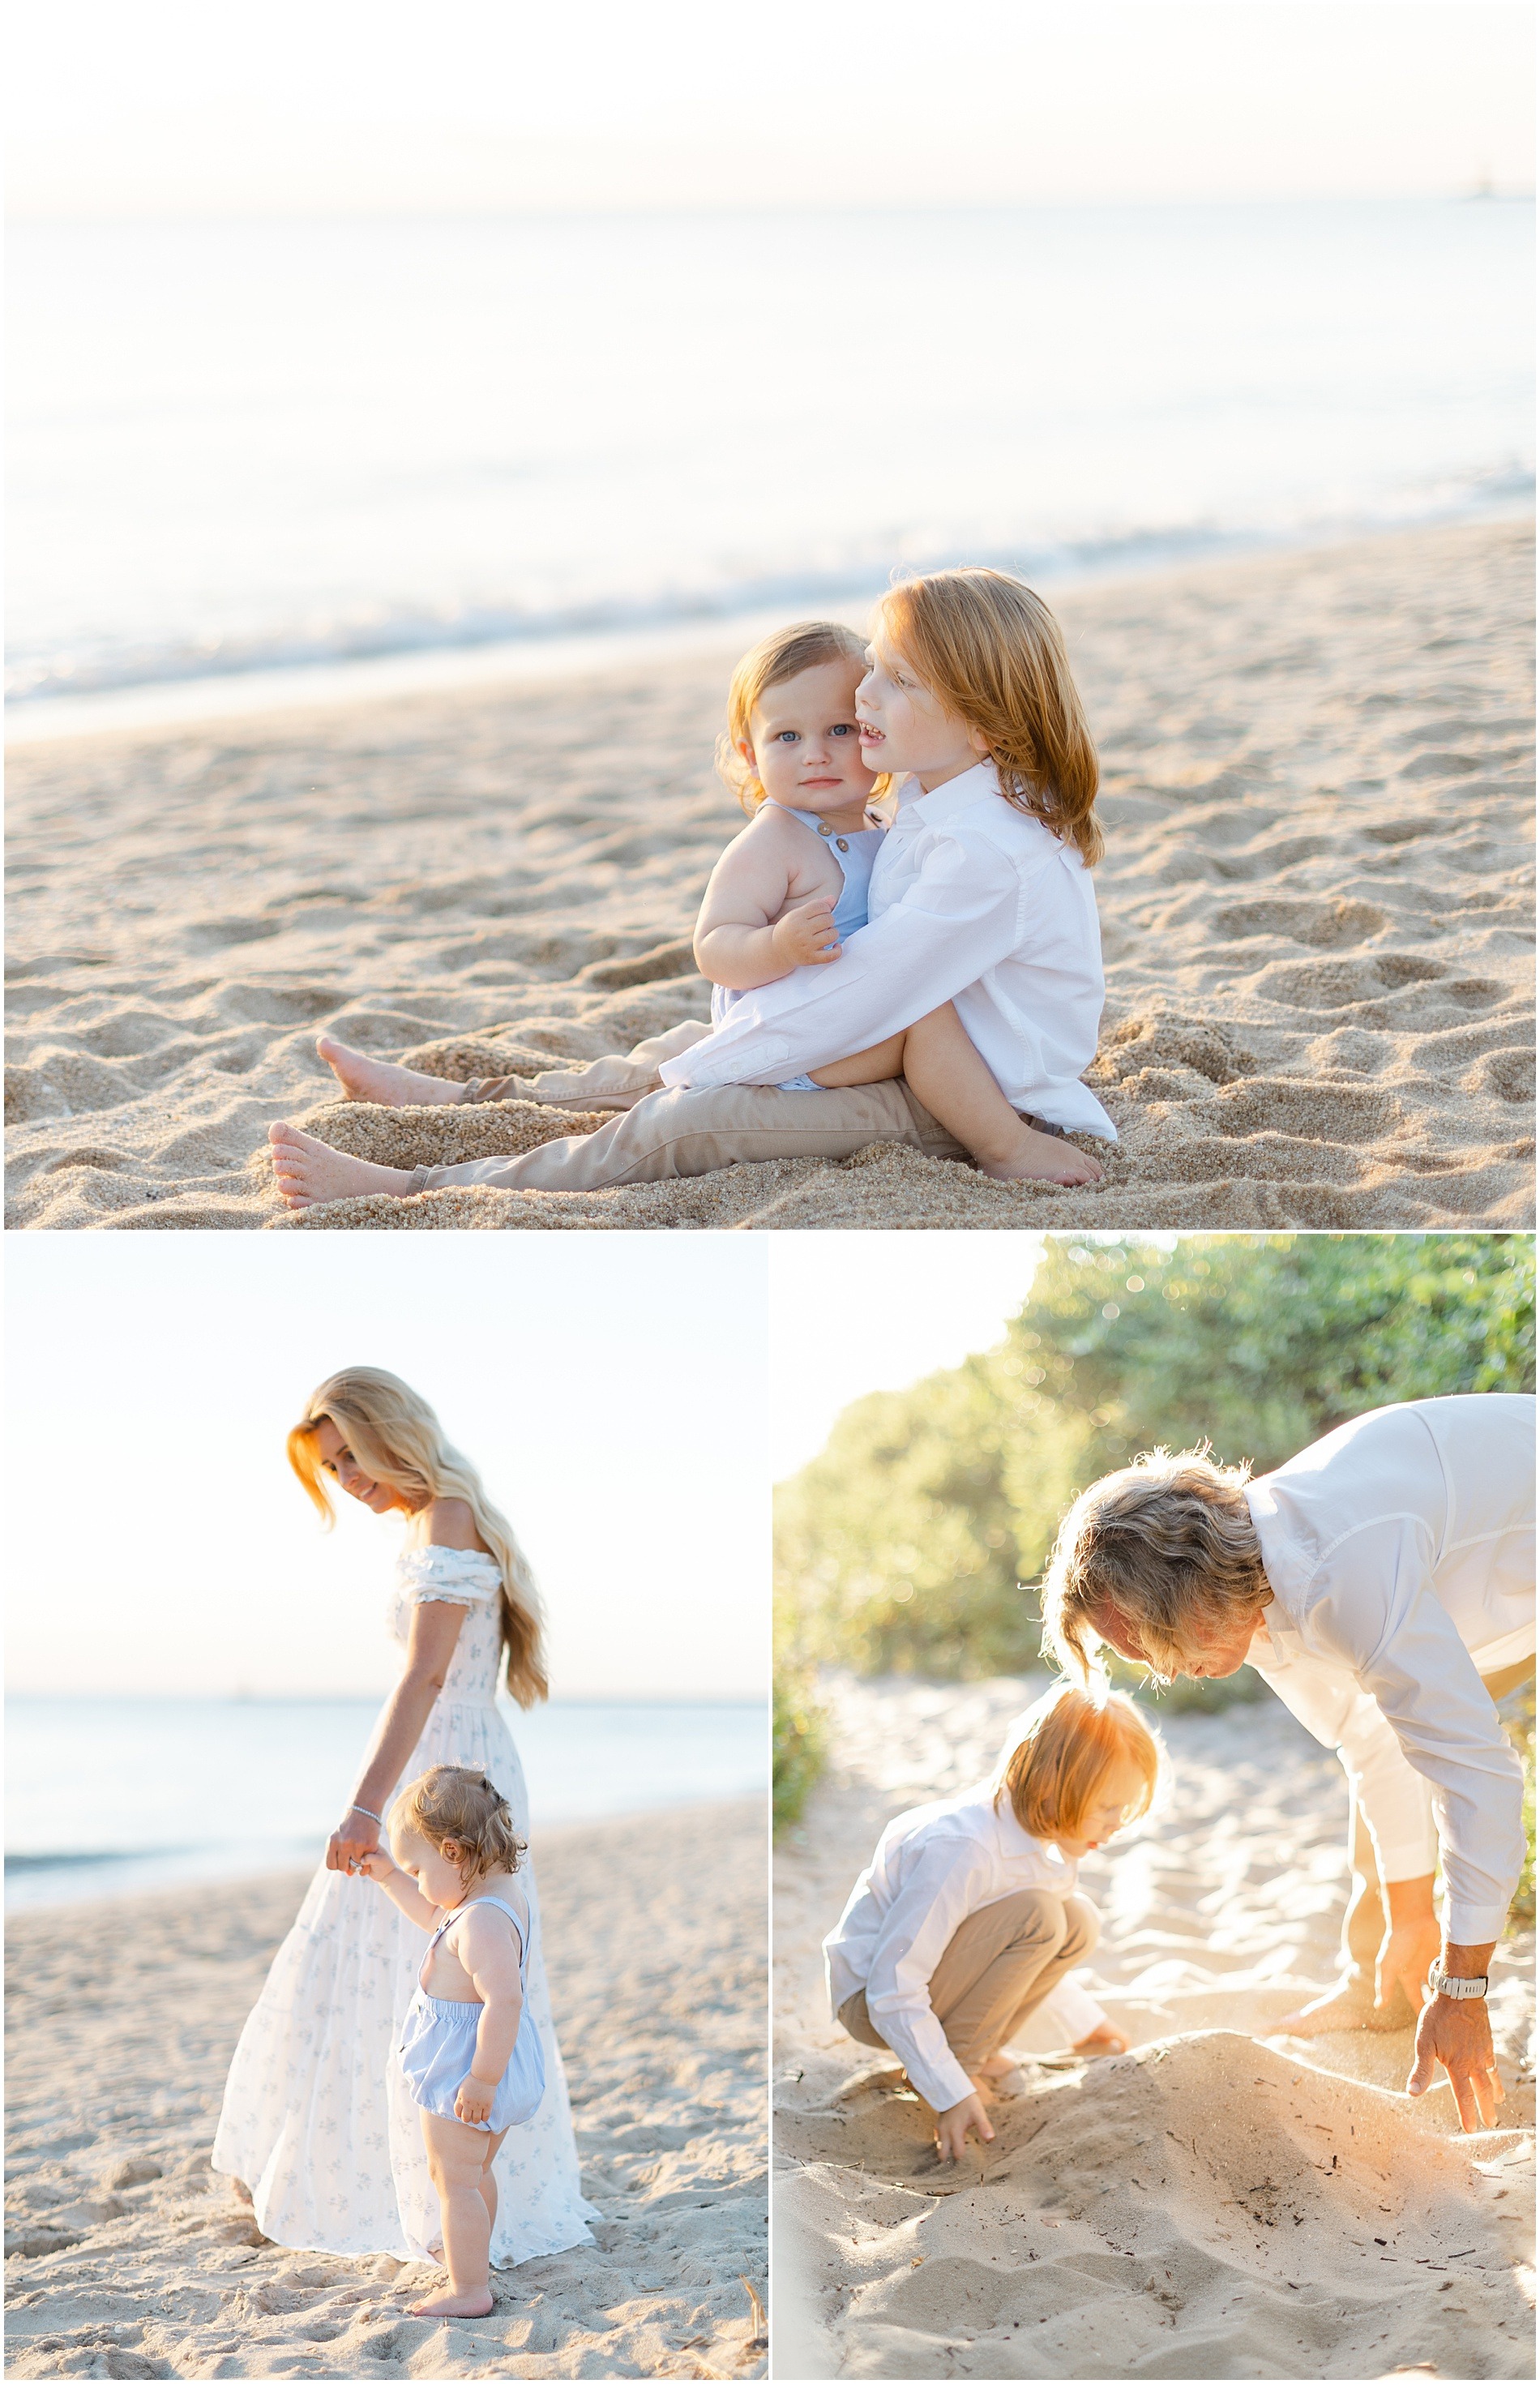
column 934, row 1867
column 972, row 902
column 1400, row 1553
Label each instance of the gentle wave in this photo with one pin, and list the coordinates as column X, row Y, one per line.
column 119, row 666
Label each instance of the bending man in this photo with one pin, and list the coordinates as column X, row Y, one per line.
column 1383, row 1584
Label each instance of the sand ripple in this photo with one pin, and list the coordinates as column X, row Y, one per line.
column 1212, row 2203
column 1316, row 906
column 127, row 2256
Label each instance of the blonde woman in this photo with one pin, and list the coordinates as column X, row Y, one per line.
column 315, row 2121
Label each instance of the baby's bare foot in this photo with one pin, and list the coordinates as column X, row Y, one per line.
column 384, row 1081
column 1351, row 2005
column 309, row 1172
column 1042, row 1159
column 454, row 2305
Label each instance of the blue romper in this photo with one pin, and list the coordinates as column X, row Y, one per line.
column 856, row 855
column 437, row 2044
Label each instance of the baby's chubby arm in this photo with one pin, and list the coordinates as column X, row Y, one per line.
column 488, row 1951
column 379, row 1866
column 736, row 943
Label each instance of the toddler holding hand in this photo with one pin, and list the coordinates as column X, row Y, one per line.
column 470, row 2068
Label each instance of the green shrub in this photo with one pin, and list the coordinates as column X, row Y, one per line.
column 905, row 1547
column 800, row 1741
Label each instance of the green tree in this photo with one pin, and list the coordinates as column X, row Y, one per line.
column 905, row 1546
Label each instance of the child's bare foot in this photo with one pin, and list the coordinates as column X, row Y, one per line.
column 383, row 1082
column 309, row 1172
column 999, row 2065
column 454, row 2305
column 1102, row 2042
column 1041, row 1159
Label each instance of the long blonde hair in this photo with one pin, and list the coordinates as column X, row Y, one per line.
column 785, row 653
column 993, row 655
column 396, row 1437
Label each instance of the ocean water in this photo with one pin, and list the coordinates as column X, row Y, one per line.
column 249, row 446
column 108, row 1795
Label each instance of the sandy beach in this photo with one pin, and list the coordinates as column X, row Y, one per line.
column 1318, row 790
column 128, row 2257
column 1217, row 2202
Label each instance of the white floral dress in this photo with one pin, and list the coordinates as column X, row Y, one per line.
column 317, row 2119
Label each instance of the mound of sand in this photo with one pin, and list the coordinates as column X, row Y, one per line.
column 1215, row 2202
column 128, row 2257
column 1202, row 2207
column 1318, row 793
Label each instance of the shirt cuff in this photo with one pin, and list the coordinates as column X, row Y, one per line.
column 1408, row 1859
column 1475, row 1924
column 943, row 2087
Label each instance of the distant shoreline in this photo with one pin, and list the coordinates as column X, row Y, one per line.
column 537, row 658
column 260, row 1867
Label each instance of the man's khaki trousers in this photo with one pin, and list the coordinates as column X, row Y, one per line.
column 1002, row 1963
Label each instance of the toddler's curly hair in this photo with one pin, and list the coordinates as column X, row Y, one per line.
column 451, row 1805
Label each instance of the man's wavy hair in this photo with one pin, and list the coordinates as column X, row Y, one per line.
column 1167, row 1548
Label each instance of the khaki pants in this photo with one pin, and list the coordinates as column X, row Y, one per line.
column 686, row 1133
column 1001, row 1965
column 1367, row 1915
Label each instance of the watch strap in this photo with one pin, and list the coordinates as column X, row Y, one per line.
column 1459, row 1991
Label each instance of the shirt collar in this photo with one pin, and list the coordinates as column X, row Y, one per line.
column 1015, row 1840
column 948, row 802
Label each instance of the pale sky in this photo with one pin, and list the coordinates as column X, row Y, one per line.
column 366, row 105
column 610, row 1387
column 859, row 1312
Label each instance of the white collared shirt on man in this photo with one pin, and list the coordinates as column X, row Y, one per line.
column 1400, row 1553
column 971, row 902
column 934, row 1867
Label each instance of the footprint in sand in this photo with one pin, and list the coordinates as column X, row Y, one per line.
column 1323, row 925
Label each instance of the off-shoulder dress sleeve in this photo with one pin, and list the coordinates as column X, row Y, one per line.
column 435, row 1576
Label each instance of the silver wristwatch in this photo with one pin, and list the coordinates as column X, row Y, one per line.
column 1459, row 1991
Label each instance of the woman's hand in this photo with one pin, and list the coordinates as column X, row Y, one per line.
column 952, row 2126
column 474, row 2102
column 355, row 1836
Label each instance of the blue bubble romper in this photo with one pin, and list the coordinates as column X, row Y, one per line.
column 438, row 2044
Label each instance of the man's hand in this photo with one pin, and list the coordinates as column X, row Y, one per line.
column 952, row 2126
column 805, row 935
column 355, row 1836
column 1459, row 2035
column 1403, row 1959
column 472, row 2102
